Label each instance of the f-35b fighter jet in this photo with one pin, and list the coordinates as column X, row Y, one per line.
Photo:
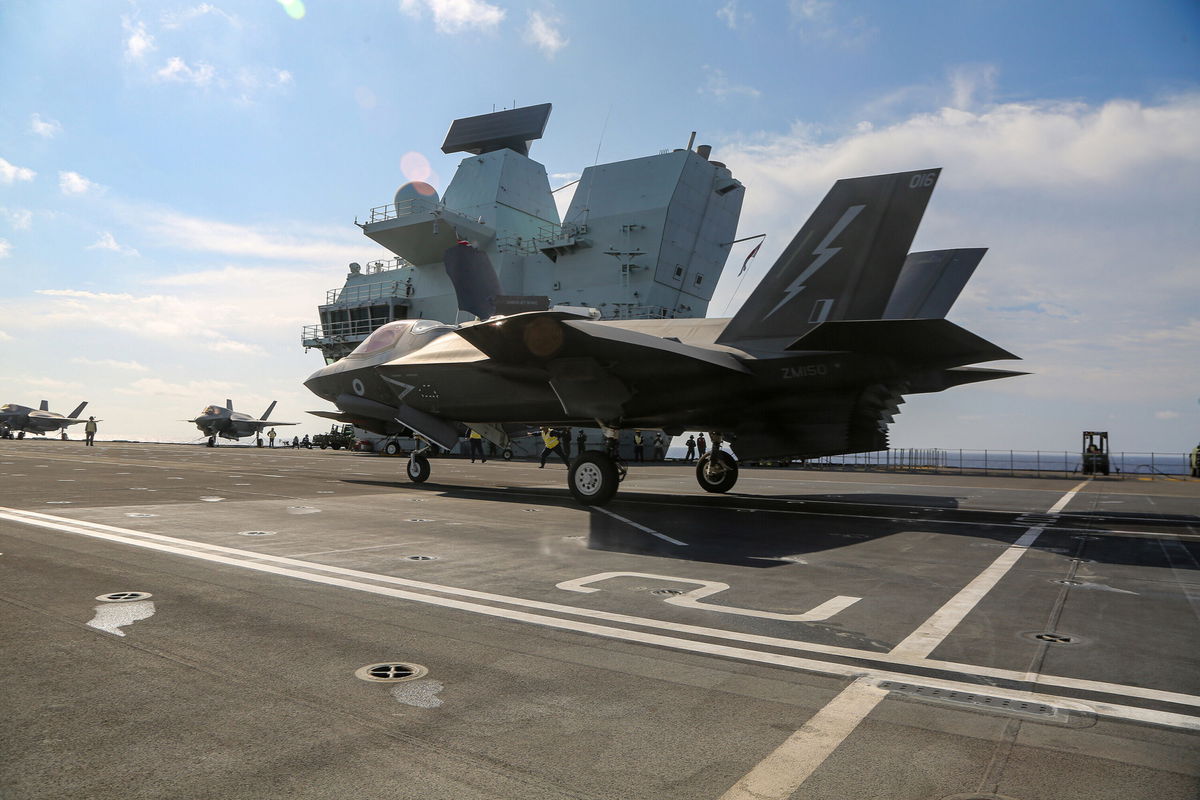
column 816, row 362
column 223, row 421
column 23, row 419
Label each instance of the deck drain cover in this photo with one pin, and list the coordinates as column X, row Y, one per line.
column 970, row 698
column 1055, row 638
column 418, row 519
column 124, row 597
column 1068, row 582
column 256, row 533
column 420, row 558
column 667, row 591
column 141, row 515
column 391, row 672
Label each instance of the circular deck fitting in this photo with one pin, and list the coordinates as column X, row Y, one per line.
column 418, row 519
column 123, row 597
column 256, row 533
column 391, row 672
column 420, row 558
column 1069, row 582
column 1053, row 637
column 666, row 592
column 136, row 514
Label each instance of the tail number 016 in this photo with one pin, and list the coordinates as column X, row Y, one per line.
column 922, row 180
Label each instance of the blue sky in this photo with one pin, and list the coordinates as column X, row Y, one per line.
column 178, row 181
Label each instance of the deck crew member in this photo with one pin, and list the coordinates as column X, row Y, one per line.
column 476, row 442
column 551, row 444
column 90, row 430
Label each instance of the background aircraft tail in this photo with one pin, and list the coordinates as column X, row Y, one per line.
column 44, row 405
column 843, row 263
column 75, row 414
column 229, row 404
column 270, row 408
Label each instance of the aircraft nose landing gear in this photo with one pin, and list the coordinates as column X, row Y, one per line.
column 716, row 471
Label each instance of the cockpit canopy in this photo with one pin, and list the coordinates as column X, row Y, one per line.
column 212, row 411
column 393, row 333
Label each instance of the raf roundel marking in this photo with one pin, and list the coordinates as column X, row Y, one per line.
column 358, row 387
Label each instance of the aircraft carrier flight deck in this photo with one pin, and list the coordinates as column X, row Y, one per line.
column 232, row 622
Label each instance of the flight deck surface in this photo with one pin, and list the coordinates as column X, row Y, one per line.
column 810, row 635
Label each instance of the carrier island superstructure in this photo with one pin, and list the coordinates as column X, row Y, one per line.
column 645, row 238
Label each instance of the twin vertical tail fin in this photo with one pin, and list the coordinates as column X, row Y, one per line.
column 844, row 262
column 270, row 408
column 75, row 414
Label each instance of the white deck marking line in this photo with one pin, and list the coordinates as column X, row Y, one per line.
column 643, row 528
column 925, row 639
column 1099, row 708
column 832, row 724
column 72, row 526
column 692, row 599
column 780, row 774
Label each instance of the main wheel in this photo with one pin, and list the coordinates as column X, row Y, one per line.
column 716, row 472
column 418, row 469
column 507, row 454
column 391, row 448
column 593, row 478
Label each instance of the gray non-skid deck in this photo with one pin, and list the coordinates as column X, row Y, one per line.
column 813, row 635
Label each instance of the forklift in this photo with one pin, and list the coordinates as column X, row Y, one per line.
column 1095, row 452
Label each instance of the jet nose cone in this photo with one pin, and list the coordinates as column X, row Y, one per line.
column 321, row 382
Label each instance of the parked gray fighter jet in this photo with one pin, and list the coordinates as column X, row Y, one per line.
column 815, row 363
column 223, row 421
column 23, row 419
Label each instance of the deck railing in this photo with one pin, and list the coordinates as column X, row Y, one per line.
column 1002, row 462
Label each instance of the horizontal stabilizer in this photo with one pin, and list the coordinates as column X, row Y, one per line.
column 930, row 282
column 948, row 378
column 926, row 341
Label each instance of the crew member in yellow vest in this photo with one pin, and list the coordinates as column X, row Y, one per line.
column 476, row 446
column 552, row 444
column 90, row 430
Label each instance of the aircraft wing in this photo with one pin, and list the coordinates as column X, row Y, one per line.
column 265, row 423
column 541, row 336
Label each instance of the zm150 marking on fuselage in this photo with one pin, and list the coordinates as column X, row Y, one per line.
column 803, row 371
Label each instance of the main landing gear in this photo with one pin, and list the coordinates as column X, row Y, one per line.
column 595, row 475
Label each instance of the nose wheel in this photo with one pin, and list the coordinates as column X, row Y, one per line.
column 716, row 472
column 418, row 468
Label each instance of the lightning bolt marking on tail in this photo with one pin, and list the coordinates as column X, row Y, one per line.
column 823, row 253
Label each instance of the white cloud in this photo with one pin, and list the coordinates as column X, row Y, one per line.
column 10, row 173
column 732, row 16
column 454, row 16
column 20, row 219
column 46, row 128
column 1166, row 415
column 107, row 242
column 178, row 70
column 543, row 31
column 719, row 86
column 5, row 337
column 824, row 20
column 257, row 241
column 172, row 20
column 139, row 42
column 110, row 363
column 73, row 183
column 5, row 248
column 190, row 389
